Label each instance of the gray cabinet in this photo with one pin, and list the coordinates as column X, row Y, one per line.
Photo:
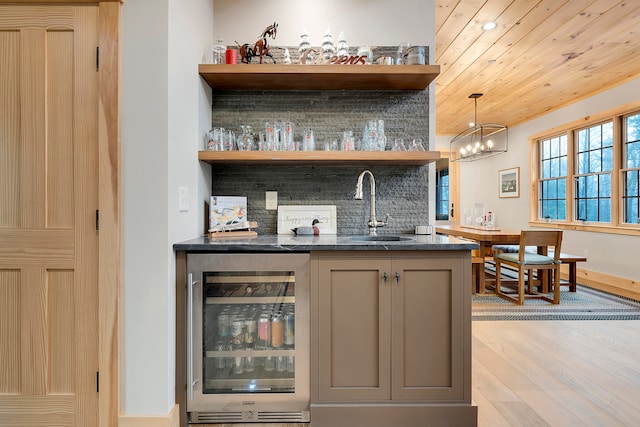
column 390, row 330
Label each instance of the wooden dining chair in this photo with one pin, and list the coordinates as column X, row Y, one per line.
column 526, row 262
column 477, row 268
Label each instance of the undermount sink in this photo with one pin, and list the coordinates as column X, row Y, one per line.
column 382, row 238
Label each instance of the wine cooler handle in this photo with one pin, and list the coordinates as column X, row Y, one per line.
column 190, row 381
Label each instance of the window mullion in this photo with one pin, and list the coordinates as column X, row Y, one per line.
column 616, row 173
column 572, row 153
column 535, row 177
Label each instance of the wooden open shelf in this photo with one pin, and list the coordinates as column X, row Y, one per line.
column 327, row 158
column 318, row 77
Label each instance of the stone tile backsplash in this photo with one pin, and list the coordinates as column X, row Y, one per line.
column 401, row 191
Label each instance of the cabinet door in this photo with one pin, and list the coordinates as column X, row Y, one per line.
column 428, row 329
column 354, row 329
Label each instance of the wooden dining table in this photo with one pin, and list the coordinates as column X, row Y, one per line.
column 486, row 237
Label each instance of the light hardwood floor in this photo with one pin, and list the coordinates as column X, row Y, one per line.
column 556, row 373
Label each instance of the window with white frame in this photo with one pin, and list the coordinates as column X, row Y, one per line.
column 589, row 173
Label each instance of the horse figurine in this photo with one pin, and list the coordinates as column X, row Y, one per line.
column 260, row 48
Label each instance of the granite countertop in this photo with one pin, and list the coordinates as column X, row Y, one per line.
column 291, row 243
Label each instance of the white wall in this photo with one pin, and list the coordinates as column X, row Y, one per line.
column 165, row 110
column 607, row 253
column 371, row 22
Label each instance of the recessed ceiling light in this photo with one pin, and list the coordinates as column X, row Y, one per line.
column 489, row 26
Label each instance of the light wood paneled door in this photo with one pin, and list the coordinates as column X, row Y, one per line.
column 48, row 203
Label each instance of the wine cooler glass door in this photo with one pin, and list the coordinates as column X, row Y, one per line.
column 249, row 333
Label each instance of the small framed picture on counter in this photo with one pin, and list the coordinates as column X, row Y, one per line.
column 509, row 181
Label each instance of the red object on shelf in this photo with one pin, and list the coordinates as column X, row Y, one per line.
column 231, row 56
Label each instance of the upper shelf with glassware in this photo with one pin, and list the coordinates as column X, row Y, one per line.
column 329, row 158
column 318, row 77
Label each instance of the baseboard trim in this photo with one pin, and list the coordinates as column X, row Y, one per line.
column 616, row 285
column 405, row 415
column 172, row 419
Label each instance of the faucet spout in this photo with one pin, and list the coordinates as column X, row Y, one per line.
column 373, row 223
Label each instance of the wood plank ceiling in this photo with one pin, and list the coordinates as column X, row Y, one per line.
column 543, row 55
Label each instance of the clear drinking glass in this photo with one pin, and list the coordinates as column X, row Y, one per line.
column 249, row 143
column 288, row 142
column 398, row 145
column 491, row 219
column 262, row 143
column 270, row 136
column 402, row 53
column 331, row 144
column 249, row 364
column 220, row 139
column 277, row 137
column 416, row 145
column 370, row 136
column 367, row 52
column 227, row 140
column 348, row 142
column 468, row 216
column 269, row 364
column 382, row 138
column 238, row 365
column 209, row 143
column 243, row 142
column 308, row 141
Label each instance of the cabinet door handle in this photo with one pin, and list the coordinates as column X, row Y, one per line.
column 384, row 277
column 190, row 381
column 397, row 278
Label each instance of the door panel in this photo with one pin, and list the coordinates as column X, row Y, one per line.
column 62, row 348
column 427, row 341
column 48, row 200
column 354, row 334
column 9, row 331
column 9, row 128
column 60, row 129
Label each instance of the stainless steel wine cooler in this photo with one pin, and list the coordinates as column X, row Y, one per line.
column 248, row 338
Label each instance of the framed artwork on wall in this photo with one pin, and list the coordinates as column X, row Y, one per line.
column 509, row 182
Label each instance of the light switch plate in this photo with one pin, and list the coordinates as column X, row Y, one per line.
column 183, row 199
column 271, row 200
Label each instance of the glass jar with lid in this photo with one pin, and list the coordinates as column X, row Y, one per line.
column 218, row 52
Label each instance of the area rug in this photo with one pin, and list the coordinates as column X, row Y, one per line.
column 585, row 304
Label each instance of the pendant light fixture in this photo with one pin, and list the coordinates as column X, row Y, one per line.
column 479, row 141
